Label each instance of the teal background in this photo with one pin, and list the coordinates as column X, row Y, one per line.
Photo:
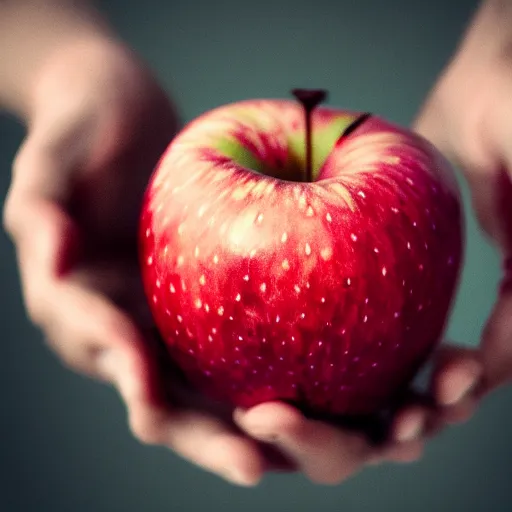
column 64, row 442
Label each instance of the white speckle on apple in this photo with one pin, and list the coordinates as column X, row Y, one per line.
column 343, row 331
column 365, row 319
column 361, row 194
column 198, row 303
column 278, row 318
column 394, row 210
column 252, row 253
column 166, row 250
column 411, row 182
column 246, row 278
column 155, row 299
column 179, row 318
column 220, row 311
column 201, row 210
column 183, row 285
column 180, row 260
column 202, row 280
column 231, row 318
column 181, row 227
column 310, row 212
column 308, row 286
column 238, row 297
column 259, row 218
column 307, row 249
column 207, row 308
column 326, row 253
column 409, row 245
column 384, row 271
column 376, row 250
column 285, row 264
column 158, row 283
column 215, row 259
column 349, row 281
column 353, row 236
column 148, row 233
column 297, row 288
column 303, row 315
column 196, row 251
column 240, row 338
column 150, row 260
column 328, row 217
column 322, row 300
column 414, row 224
column 263, row 287
column 284, row 237
column 397, row 314
column 366, row 300
column 167, row 312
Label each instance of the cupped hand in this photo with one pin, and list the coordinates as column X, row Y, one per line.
column 98, row 125
column 468, row 117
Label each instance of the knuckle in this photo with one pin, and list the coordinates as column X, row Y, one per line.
column 146, row 429
column 36, row 307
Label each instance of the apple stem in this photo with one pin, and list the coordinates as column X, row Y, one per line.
column 309, row 99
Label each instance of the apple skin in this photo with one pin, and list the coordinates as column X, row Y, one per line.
column 329, row 294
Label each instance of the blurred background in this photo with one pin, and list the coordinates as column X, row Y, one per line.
column 64, row 442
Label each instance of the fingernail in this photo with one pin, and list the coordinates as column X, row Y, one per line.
column 411, row 431
column 236, row 477
column 262, row 434
column 463, row 389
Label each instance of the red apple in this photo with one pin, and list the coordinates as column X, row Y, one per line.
column 327, row 291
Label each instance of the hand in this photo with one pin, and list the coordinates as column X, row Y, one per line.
column 94, row 135
column 467, row 116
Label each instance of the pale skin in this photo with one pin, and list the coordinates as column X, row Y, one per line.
column 72, row 209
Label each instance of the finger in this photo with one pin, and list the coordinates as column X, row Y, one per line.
column 197, row 437
column 457, row 373
column 325, row 454
column 401, row 453
column 83, row 326
column 409, row 424
column 496, row 344
column 203, row 438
